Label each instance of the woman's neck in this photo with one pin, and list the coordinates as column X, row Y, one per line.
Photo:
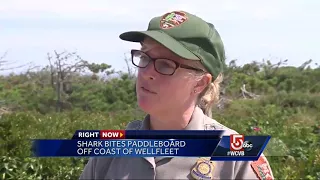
column 171, row 120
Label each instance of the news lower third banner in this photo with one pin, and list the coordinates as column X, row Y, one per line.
column 141, row 143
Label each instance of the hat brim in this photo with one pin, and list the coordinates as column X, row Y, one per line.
column 162, row 38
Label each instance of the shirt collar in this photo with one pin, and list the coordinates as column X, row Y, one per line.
column 197, row 121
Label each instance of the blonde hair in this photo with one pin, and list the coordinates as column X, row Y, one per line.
column 210, row 95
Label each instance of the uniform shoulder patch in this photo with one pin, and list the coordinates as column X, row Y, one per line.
column 262, row 169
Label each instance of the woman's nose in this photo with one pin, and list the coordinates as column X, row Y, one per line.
column 149, row 72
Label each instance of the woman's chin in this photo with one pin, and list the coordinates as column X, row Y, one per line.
column 146, row 105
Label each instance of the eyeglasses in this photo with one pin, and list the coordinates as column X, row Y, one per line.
column 162, row 66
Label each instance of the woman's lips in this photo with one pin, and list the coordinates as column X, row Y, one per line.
column 147, row 90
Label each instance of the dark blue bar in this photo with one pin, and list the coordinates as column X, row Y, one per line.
column 173, row 134
column 215, row 148
column 162, row 134
column 69, row 148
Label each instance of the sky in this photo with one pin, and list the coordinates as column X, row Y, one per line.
column 250, row 29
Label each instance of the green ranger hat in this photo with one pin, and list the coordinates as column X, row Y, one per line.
column 186, row 35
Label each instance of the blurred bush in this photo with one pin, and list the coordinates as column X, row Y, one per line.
column 283, row 102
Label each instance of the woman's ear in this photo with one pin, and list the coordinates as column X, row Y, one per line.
column 203, row 83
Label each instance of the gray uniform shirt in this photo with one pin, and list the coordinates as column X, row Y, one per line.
column 168, row 167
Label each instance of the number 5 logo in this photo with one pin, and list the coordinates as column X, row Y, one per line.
column 236, row 142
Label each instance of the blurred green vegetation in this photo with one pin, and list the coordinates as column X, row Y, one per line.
column 280, row 101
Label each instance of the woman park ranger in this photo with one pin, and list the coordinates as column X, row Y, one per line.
column 180, row 67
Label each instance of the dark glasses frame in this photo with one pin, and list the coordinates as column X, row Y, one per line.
column 178, row 65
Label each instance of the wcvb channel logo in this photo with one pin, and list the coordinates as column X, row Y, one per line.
column 238, row 146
